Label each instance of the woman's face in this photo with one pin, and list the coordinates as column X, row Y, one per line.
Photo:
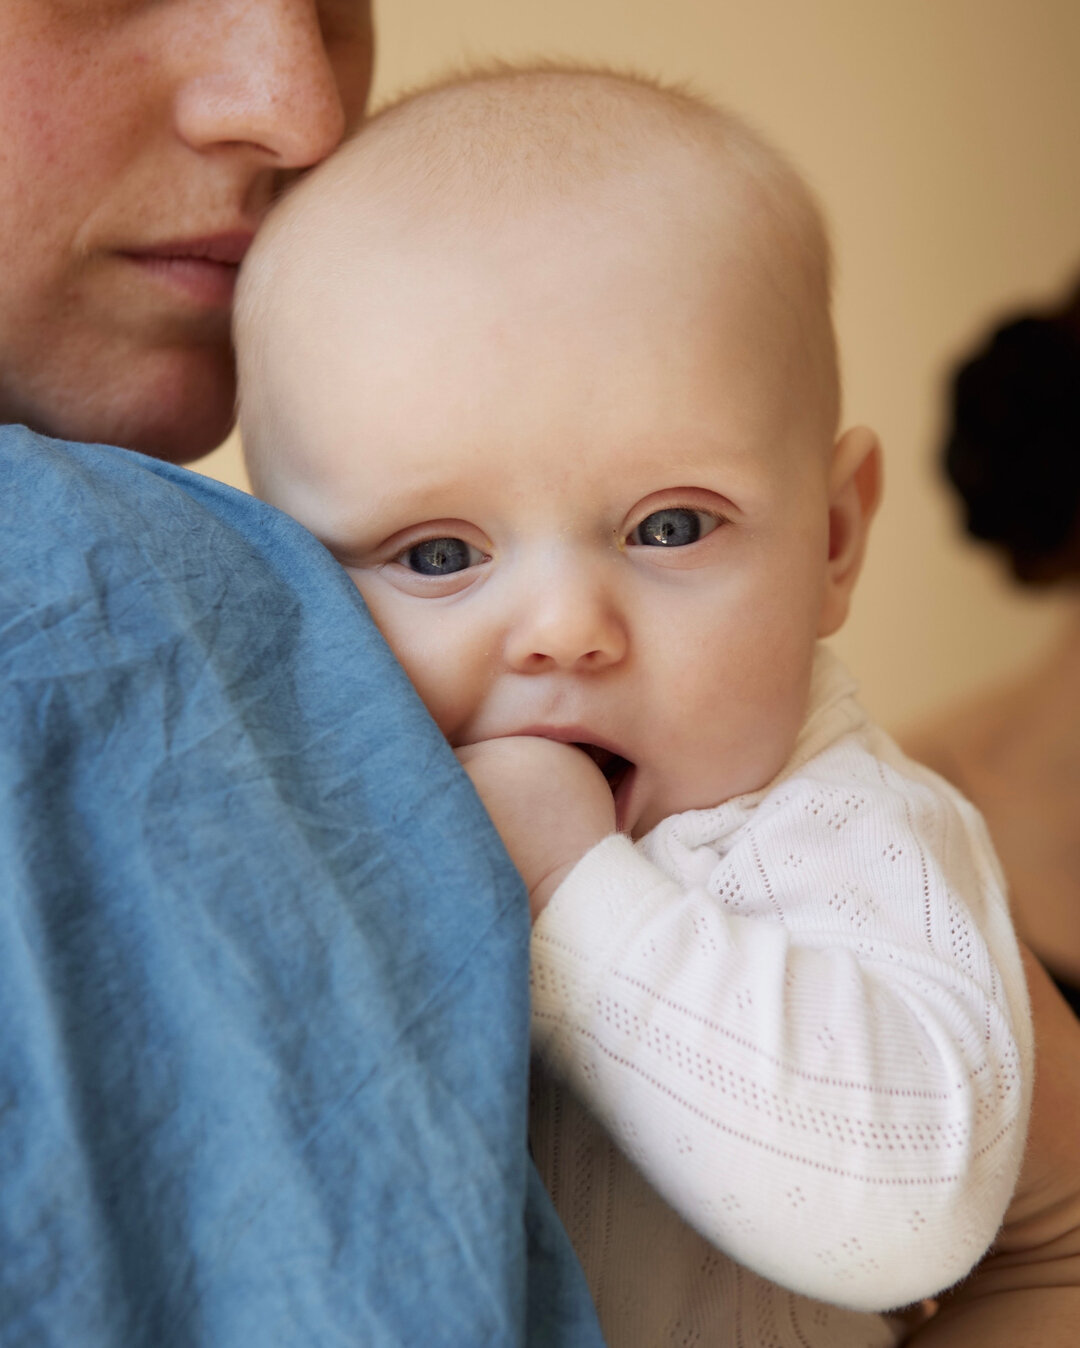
column 142, row 145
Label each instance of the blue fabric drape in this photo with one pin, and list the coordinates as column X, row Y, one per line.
column 263, row 961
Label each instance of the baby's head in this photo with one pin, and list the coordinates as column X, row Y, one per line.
column 545, row 359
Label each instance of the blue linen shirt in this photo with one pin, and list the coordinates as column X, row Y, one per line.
column 263, row 961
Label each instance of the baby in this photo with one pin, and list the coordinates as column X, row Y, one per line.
column 545, row 358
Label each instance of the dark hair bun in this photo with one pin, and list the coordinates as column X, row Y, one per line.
column 1013, row 448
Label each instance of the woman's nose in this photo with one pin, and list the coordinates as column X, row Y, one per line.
column 567, row 623
column 263, row 77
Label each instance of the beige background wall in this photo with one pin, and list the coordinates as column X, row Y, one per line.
column 944, row 137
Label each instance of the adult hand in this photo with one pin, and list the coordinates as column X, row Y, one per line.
column 549, row 802
column 1027, row 1289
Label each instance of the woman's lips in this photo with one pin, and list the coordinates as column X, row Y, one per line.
column 203, row 269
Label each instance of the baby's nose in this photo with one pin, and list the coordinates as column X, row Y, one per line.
column 570, row 624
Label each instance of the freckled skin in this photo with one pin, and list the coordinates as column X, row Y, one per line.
column 128, row 123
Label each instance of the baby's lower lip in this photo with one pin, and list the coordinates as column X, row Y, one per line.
column 621, row 795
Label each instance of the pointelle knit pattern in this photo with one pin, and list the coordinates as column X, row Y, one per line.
column 783, row 1051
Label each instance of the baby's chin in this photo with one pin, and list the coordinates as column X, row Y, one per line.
column 638, row 817
column 644, row 813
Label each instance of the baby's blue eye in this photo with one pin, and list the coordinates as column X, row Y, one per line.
column 440, row 556
column 672, row 528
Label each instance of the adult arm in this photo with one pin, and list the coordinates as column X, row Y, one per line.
column 1027, row 1289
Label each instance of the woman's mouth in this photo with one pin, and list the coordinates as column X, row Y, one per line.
column 204, row 270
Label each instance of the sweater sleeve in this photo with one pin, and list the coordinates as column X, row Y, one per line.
column 813, row 1037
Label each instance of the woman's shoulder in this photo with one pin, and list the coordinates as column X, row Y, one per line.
column 966, row 740
column 1014, row 751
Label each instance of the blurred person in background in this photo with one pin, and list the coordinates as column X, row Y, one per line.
column 1012, row 453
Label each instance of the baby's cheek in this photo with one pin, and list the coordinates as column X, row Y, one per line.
column 448, row 679
column 441, row 694
column 405, row 637
column 739, row 708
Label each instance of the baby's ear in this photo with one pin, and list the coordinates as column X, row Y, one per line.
column 854, row 493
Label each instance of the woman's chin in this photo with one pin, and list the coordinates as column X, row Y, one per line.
column 175, row 404
column 191, row 410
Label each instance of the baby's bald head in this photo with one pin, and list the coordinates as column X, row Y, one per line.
column 513, row 168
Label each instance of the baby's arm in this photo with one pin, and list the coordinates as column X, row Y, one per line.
column 822, row 1074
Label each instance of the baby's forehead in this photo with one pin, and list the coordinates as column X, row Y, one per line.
column 540, row 167
column 492, row 152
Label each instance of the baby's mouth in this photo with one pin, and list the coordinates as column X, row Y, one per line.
column 615, row 768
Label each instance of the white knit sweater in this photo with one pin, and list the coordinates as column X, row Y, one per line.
column 798, row 1026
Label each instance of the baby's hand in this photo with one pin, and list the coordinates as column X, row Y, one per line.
column 549, row 802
